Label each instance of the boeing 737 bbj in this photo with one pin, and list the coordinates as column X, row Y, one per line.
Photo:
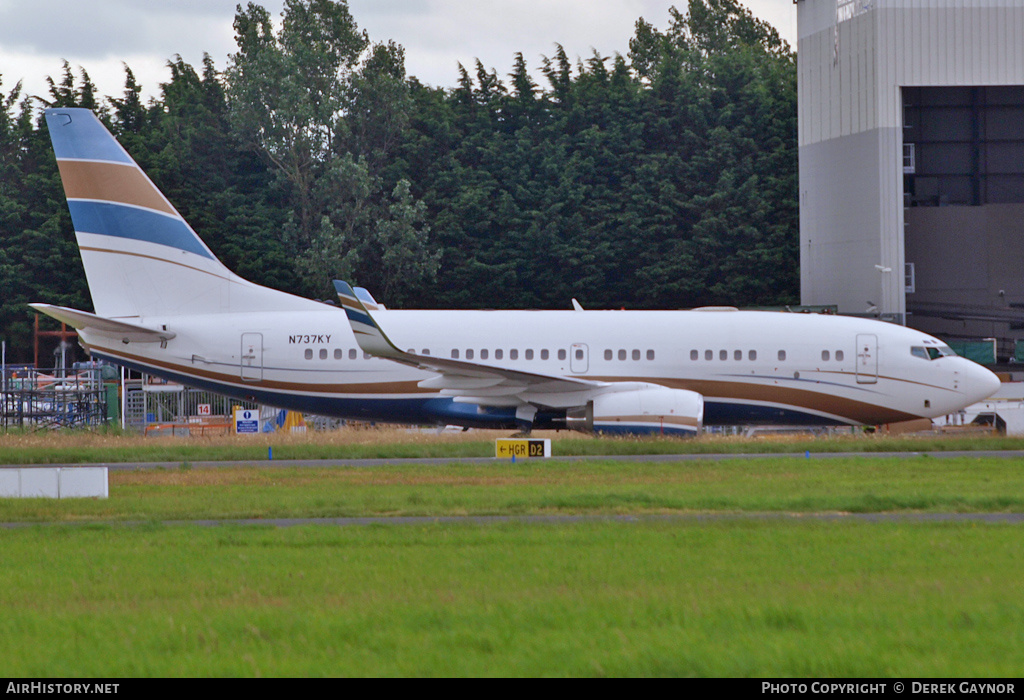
column 164, row 304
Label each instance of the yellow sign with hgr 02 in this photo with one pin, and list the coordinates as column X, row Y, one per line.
column 521, row 448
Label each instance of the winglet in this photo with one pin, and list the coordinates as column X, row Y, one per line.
column 368, row 334
column 369, row 302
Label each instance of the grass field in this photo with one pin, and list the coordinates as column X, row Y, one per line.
column 791, row 484
column 47, row 447
column 86, row 595
column 605, row 599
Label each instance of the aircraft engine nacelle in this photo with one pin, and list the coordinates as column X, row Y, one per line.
column 641, row 409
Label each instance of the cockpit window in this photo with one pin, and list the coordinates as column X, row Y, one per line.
column 932, row 352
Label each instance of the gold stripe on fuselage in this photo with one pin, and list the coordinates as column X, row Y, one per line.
column 859, row 412
column 736, row 391
column 383, row 388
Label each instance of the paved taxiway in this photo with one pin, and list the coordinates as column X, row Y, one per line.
column 1010, row 518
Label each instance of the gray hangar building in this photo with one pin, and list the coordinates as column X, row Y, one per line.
column 911, row 145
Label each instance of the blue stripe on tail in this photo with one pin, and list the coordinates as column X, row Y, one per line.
column 77, row 133
column 109, row 219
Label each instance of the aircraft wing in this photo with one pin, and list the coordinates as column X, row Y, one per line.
column 83, row 320
column 467, row 382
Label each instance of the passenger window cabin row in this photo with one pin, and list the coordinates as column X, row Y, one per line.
column 470, row 354
column 487, row 354
column 623, row 354
column 737, row 355
column 338, row 354
column 513, row 354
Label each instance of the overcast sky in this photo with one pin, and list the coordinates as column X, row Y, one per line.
column 103, row 35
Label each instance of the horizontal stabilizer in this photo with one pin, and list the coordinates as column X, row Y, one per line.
column 83, row 320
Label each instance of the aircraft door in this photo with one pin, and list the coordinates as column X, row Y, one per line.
column 579, row 360
column 252, row 357
column 867, row 359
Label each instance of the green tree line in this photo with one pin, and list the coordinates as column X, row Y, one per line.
column 663, row 178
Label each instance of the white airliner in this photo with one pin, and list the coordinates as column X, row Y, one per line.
column 165, row 305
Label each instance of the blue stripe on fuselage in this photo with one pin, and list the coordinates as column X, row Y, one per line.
column 109, row 219
column 414, row 411
column 720, row 413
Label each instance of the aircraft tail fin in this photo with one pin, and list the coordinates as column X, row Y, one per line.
column 141, row 257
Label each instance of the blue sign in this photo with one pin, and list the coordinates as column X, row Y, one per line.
column 247, row 421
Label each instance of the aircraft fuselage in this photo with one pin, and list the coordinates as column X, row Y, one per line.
column 750, row 367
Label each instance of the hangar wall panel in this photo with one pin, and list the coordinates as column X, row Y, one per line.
column 854, row 58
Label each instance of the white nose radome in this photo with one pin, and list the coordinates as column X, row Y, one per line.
column 979, row 383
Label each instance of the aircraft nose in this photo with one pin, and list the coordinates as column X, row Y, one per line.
column 979, row 383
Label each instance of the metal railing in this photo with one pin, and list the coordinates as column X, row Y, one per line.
column 156, row 407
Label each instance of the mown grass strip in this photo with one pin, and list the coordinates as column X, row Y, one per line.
column 109, row 446
column 839, row 484
column 779, row 599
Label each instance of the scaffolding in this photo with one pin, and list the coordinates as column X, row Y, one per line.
column 60, row 399
column 90, row 394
